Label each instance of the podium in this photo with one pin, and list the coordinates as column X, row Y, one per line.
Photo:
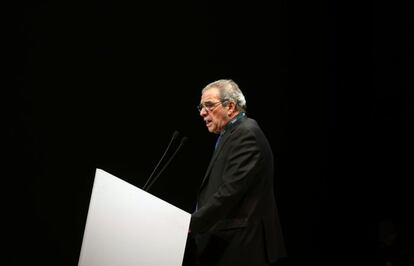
column 127, row 226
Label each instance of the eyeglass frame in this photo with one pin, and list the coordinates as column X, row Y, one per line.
column 210, row 108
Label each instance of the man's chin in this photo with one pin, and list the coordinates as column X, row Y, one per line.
column 211, row 130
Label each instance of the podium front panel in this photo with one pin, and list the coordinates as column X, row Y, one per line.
column 128, row 226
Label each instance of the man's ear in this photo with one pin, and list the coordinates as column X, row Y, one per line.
column 231, row 108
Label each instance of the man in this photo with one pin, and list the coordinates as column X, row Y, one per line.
column 236, row 221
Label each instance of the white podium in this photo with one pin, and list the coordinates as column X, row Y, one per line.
column 128, row 226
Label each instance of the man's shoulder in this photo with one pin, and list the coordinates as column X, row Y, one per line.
column 247, row 128
column 249, row 124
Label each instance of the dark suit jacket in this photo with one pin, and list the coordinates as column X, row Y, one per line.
column 236, row 222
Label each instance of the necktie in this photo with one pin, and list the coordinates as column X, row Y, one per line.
column 217, row 142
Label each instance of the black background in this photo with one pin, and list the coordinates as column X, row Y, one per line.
column 104, row 84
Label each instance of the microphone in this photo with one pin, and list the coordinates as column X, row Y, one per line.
column 183, row 140
column 174, row 136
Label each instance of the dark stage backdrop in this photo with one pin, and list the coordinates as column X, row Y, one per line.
column 104, row 84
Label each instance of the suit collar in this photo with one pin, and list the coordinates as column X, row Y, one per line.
column 240, row 116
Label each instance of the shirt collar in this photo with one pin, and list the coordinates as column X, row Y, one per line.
column 233, row 122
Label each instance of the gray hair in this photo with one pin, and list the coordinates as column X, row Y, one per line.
column 229, row 91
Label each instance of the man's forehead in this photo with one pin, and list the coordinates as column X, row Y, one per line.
column 210, row 94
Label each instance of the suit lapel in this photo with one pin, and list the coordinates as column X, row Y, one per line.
column 223, row 141
column 214, row 158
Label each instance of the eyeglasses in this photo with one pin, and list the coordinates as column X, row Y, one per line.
column 209, row 106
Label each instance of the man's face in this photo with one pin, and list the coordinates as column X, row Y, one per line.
column 214, row 114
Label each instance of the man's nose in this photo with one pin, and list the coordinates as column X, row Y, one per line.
column 203, row 112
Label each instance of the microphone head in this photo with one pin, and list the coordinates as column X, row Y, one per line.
column 175, row 134
column 184, row 139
